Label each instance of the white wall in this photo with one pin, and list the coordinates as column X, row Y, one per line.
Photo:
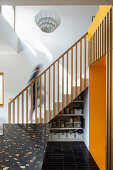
column 17, row 71
column 7, row 34
column 86, row 116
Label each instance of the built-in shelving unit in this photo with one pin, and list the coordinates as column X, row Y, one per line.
column 69, row 124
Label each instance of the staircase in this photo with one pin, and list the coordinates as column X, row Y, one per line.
column 62, row 82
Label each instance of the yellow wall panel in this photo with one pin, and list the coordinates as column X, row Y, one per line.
column 104, row 9
column 97, row 111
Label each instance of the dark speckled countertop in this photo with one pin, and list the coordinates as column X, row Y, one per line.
column 23, row 146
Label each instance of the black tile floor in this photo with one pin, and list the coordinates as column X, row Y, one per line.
column 68, row 156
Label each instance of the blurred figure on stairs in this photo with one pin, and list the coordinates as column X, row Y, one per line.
column 35, row 74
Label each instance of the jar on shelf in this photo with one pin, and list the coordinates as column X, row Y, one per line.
column 70, row 124
column 67, row 110
column 71, row 111
column 71, row 120
column 58, row 123
column 75, row 119
column 79, row 125
column 62, row 124
column 67, row 124
column 78, row 118
column 79, row 98
column 53, row 124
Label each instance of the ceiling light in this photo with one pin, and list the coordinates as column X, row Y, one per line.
column 47, row 20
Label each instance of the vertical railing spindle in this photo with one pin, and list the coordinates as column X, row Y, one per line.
column 72, row 74
column 54, row 90
column 105, row 34
column 58, row 85
column 49, row 96
column 22, row 107
column 9, row 113
column 76, row 70
column 45, row 116
column 18, row 109
column 62, row 82
column 40, row 99
column 27, row 105
column 80, row 65
column 31, row 116
column 67, row 78
column 92, row 49
column 102, row 36
column 13, row 111
column 36, row 101
column 96, row 45
column 85, row 62
column 100, row 41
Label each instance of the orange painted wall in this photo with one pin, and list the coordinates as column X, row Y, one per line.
column 97, row 111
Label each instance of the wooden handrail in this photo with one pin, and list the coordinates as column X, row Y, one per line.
column 55, row 103
column 49, row 66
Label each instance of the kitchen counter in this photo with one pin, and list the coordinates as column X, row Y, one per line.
column 23, row 146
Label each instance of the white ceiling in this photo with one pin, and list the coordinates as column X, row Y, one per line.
column 75, row 21
column 56, row 2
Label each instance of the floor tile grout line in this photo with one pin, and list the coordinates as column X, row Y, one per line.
column 63, row 155
column 84, row 154
column 74, row 158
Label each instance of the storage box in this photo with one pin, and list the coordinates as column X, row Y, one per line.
column 62, row 135
column 50, row 135
column 70, row 135
column 68, row 125
column 77, row 111
column 79, row 125
column 55, row 135
column 79, row 136
column 75, row 124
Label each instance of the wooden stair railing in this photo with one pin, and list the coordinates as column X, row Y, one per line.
column 63, row 80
